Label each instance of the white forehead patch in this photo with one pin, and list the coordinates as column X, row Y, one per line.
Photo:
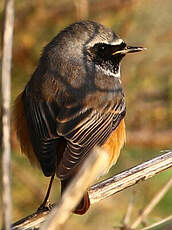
column 117, row 42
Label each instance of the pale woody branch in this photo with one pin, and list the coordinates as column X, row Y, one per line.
column 109, row 187
column 130, row 177
column 7, row 42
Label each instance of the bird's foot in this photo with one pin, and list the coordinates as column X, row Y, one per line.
column 45, row 207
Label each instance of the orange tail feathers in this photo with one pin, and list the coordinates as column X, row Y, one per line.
column 83, row 205
column 22, row 131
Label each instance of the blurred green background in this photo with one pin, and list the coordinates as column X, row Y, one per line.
column 147, row 81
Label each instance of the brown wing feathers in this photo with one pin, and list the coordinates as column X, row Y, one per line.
column 59, row 140
column 82, row 131
column 43, row 134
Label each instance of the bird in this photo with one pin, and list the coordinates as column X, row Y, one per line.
column 73, row 102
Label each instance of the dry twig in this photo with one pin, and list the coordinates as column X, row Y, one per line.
column 167, row 219
column 110, row 186
column 152, row 204
column 6, row 95
column 127, row 216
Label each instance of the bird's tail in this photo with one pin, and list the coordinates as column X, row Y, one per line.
column 83, row 205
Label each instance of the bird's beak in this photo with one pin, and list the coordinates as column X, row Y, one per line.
column 129, row 49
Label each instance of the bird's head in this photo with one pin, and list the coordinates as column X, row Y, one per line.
column 89, row 44
column 107, row 49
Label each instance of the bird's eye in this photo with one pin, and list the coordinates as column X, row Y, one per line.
column 102, row 47
column 100, row 50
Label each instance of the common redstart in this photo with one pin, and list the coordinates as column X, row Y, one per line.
column 73, row 102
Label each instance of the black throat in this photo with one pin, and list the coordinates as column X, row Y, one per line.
column 102, row 55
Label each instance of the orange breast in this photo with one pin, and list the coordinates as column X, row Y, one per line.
column 114, row 144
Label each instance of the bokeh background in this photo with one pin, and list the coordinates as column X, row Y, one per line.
column 147, row 81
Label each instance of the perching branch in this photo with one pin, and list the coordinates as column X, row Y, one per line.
column 130, row 177
column 108, row 187
column 7, row 41
column 92, row 167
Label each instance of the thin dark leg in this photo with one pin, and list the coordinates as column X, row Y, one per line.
column 43, row 205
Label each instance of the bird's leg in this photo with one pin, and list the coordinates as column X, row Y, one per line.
column 44, row 205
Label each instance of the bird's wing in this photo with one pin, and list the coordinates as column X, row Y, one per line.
column 41, row 120
column 84, row 129
column 79, row 126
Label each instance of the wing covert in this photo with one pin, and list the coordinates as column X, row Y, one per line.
column 79, row 126
column 85, row 130
column 42, row 129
